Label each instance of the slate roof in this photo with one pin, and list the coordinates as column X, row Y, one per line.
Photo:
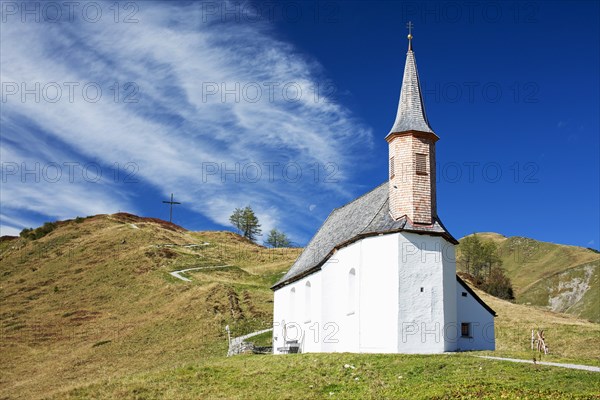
column 368, row 215
column 411, row 111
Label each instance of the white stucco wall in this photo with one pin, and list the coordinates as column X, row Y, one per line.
column 378, row 303
column 482, row 336
column 280, row 313
column 388, row 313
column 343, row 322
column 339, row 325
column 297, row 314
column 425, row 291
column 450, row 300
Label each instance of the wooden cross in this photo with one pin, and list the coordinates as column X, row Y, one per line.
column 171, row 203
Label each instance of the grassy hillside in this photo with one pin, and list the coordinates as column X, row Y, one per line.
column 570, row 339
column 562, row 278
column 93, row 299
column 90, row 311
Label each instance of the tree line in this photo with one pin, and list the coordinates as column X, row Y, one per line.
column 481, row 262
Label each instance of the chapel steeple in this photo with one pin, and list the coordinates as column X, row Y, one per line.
column 411, row 110
column 411, row 140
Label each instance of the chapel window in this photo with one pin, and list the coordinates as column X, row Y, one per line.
column 351, row 291
column 465, row 329
column 293, row 304
column 307, row 302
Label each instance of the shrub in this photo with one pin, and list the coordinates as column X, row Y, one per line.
column 34, row 234
column 498, row 284
column 26, row 233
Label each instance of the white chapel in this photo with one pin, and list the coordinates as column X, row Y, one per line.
column 379, row 276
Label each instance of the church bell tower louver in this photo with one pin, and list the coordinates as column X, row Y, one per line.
column 411, row 140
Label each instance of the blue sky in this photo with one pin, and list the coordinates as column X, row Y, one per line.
column 284, row 106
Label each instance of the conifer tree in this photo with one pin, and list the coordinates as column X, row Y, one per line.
column 246, row 222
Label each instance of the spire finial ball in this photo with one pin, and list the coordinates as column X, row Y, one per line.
column 410, row 36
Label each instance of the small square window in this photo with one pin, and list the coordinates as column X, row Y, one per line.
column 421, row 290
column 465, row 329
column 421, row 164
column 464, row 294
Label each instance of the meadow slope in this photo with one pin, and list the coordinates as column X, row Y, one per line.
column 91, row 311
column 559, row 277
column 93, row 299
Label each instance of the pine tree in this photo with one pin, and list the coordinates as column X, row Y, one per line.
column 246, row 222
column 467, row 250
column 236, row 219
column 481, row 261
column 277, row 239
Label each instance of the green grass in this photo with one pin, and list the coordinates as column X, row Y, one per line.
column 350, row 376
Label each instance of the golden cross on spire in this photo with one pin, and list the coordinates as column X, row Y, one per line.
column 409, row 26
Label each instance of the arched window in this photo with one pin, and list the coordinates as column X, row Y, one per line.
column 293, row 305
column 351, row 291
column 307, row 302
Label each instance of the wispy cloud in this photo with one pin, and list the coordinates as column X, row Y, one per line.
column 12, row 226
column 221, row 112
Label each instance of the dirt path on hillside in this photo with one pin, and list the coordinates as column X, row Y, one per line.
column 552, row 364
column 177, row 274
